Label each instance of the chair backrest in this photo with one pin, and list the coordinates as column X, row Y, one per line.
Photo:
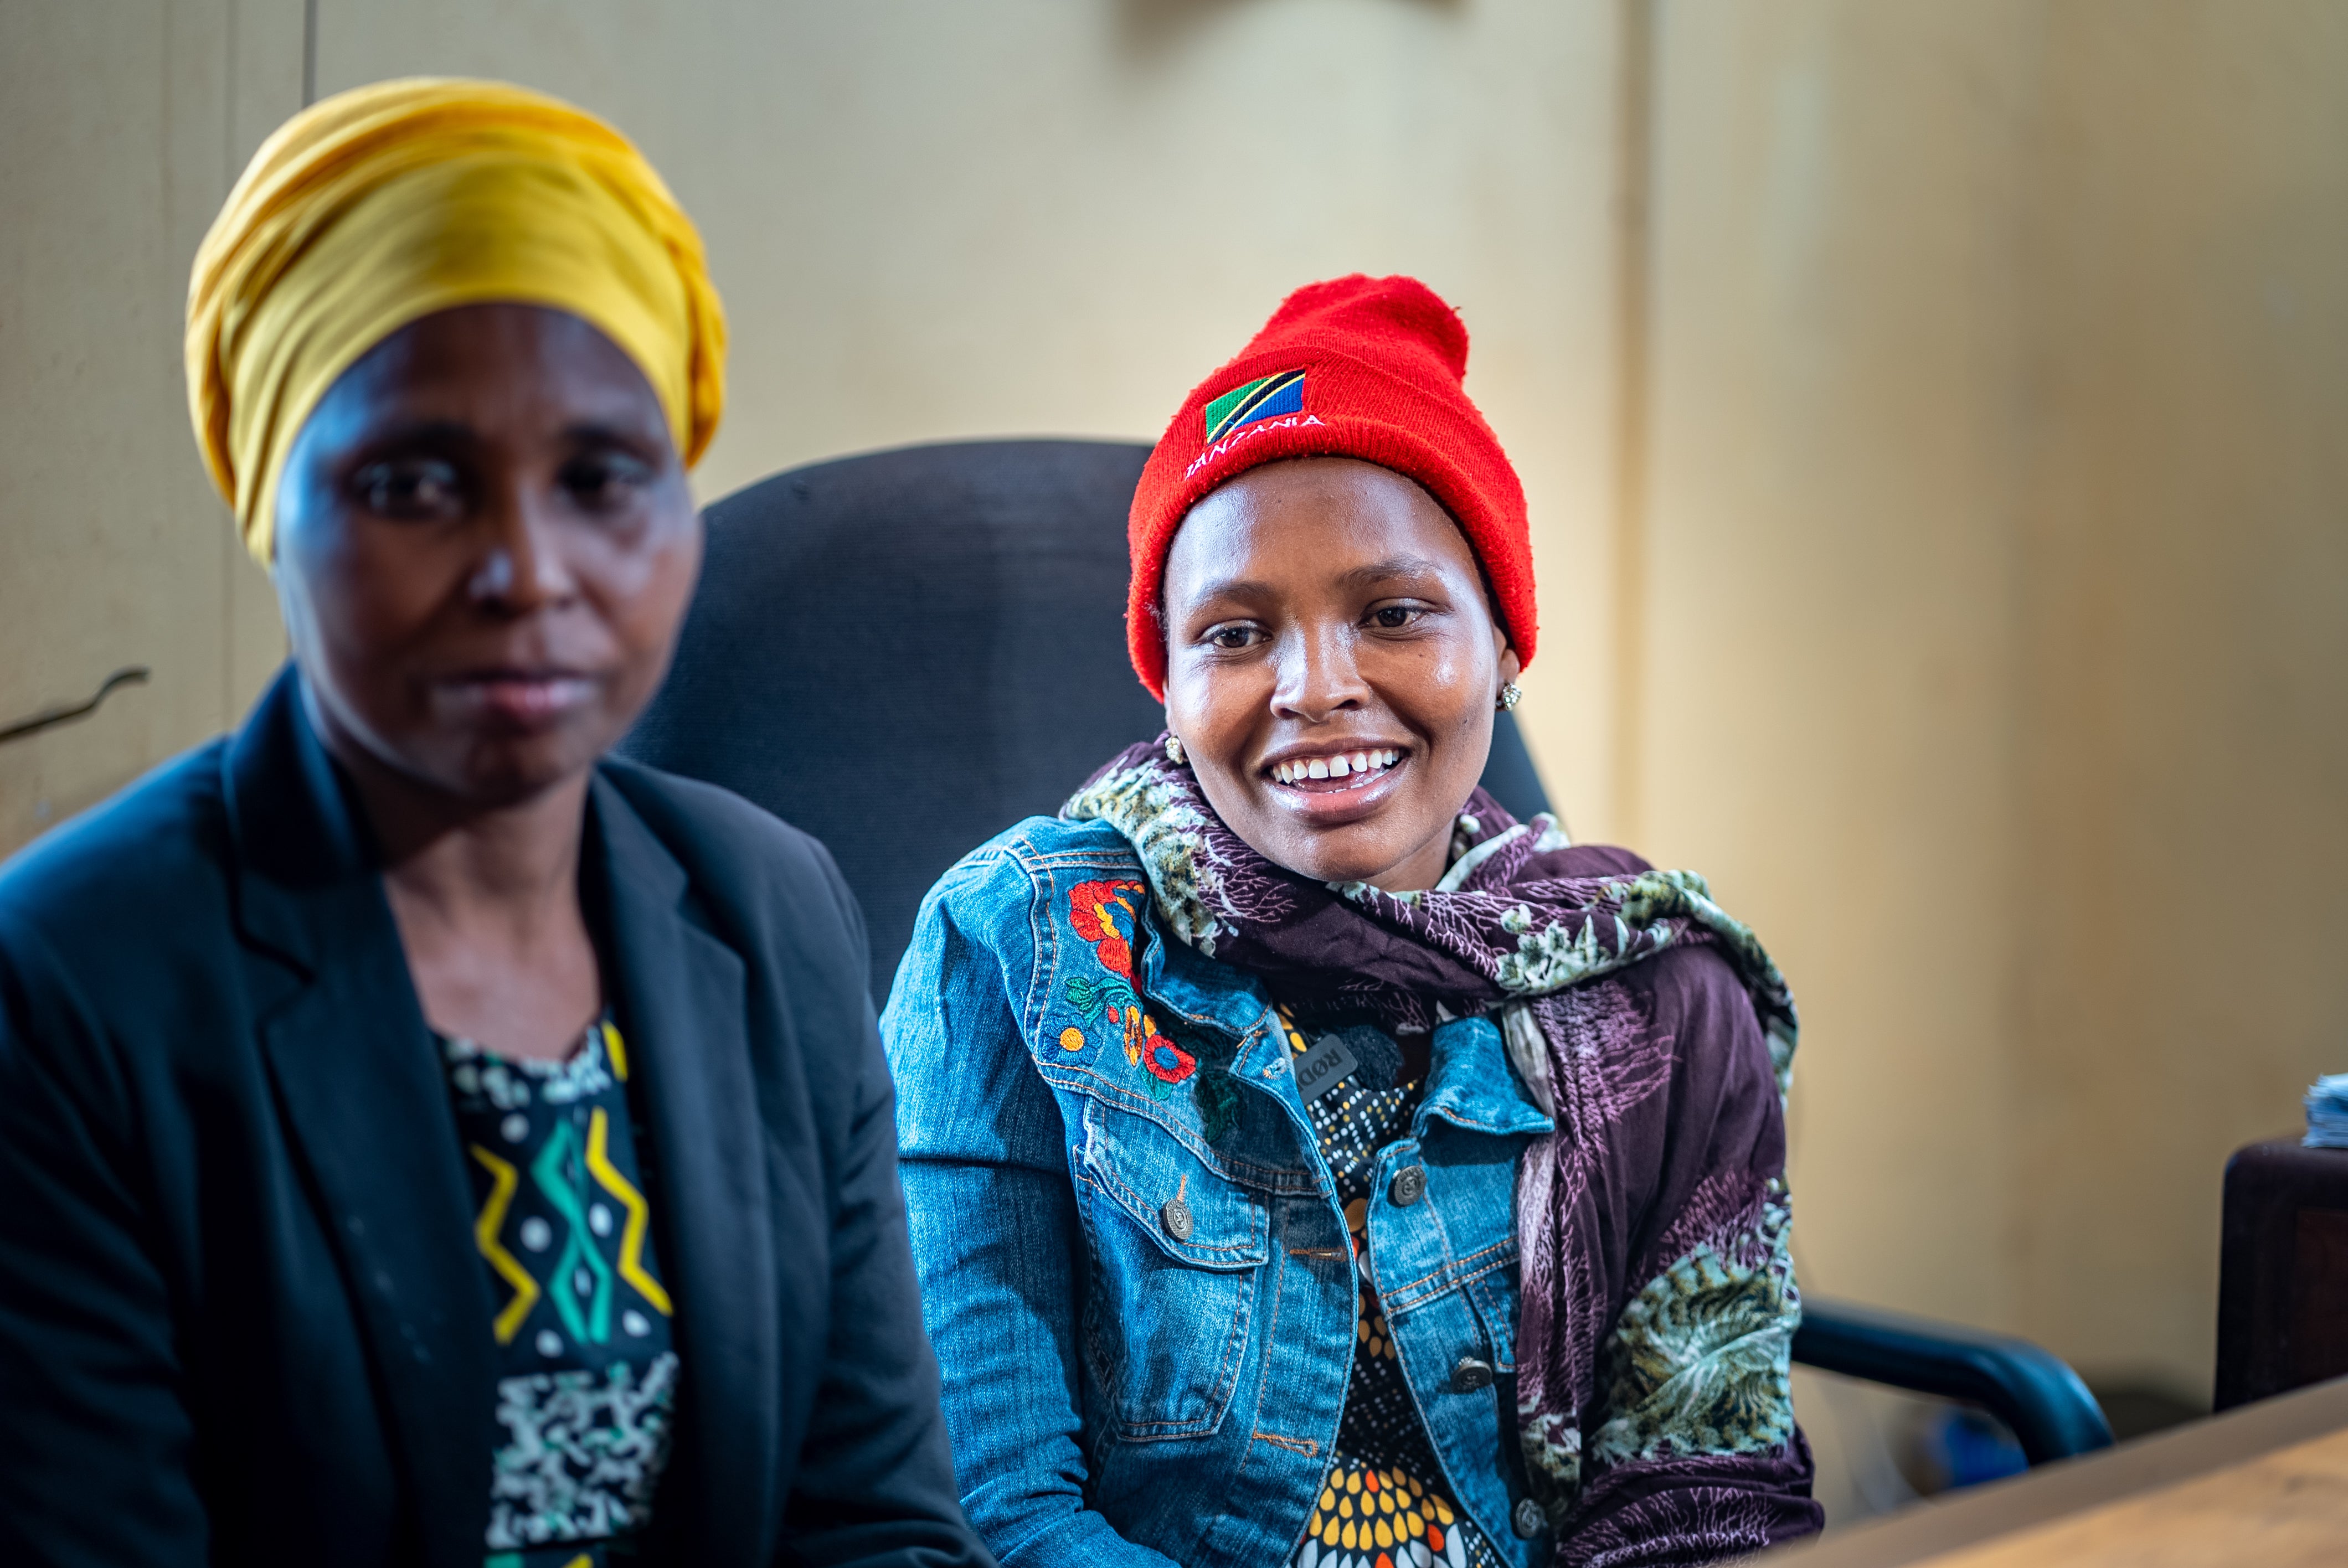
column 904, row 653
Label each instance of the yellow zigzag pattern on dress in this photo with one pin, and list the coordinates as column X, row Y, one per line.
column 485, row 1236
column 632, row 1240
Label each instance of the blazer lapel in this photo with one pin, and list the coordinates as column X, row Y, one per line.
column 683, row 1001
column 366, row 1109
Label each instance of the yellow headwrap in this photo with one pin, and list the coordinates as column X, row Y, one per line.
column 389, row 202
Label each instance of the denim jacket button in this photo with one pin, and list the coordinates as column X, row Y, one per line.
column 1176, row 1217
column 1529, row 1519
column 1410, row 1185
column 1468, row 1375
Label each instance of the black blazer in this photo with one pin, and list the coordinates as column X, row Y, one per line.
column 242, row 1316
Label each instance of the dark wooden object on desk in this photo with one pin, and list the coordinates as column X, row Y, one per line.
column 2282, row 1271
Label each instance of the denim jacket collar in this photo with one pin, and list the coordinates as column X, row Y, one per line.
column 1198, row 987
column 1471, row 1085
column 1222, row 999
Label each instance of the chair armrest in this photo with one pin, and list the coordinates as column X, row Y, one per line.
column 2037, row 1395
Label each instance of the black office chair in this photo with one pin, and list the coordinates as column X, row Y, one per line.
column 905, row 653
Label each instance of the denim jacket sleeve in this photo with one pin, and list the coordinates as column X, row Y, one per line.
column 980, row 1133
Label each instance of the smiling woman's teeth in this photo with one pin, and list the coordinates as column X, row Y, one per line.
column 1339, row 766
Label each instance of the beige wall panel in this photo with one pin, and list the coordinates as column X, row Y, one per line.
column 934, row 220
column 1827, row 661
column 1997, row 639
column 2187, row 643
column 123, row 124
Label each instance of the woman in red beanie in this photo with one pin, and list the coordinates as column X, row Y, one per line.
column 1308, row 1163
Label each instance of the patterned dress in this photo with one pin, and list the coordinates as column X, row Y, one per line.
column 588, row 1372
column 1384, row 1503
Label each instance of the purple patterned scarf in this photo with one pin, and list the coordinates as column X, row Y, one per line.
column 1511, row 929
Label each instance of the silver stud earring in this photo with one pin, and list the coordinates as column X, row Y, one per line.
column 1174, row 751
column 1510, row 695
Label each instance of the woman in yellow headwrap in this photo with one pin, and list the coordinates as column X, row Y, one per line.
column 424, row 1138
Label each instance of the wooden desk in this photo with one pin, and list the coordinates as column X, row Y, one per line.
column 2267, row 1483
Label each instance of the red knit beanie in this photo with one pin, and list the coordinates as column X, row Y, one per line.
column 1357, row 367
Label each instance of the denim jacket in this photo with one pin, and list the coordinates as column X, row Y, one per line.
column 1134, row 1267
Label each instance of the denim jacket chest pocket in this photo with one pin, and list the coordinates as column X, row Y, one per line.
column 1446, row 1266
column 1173, row 1163
column 1177, row 1248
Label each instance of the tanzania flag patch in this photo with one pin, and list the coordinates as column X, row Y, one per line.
column 1259, row 399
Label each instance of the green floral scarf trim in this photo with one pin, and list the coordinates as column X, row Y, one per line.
column 1700, row 1360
